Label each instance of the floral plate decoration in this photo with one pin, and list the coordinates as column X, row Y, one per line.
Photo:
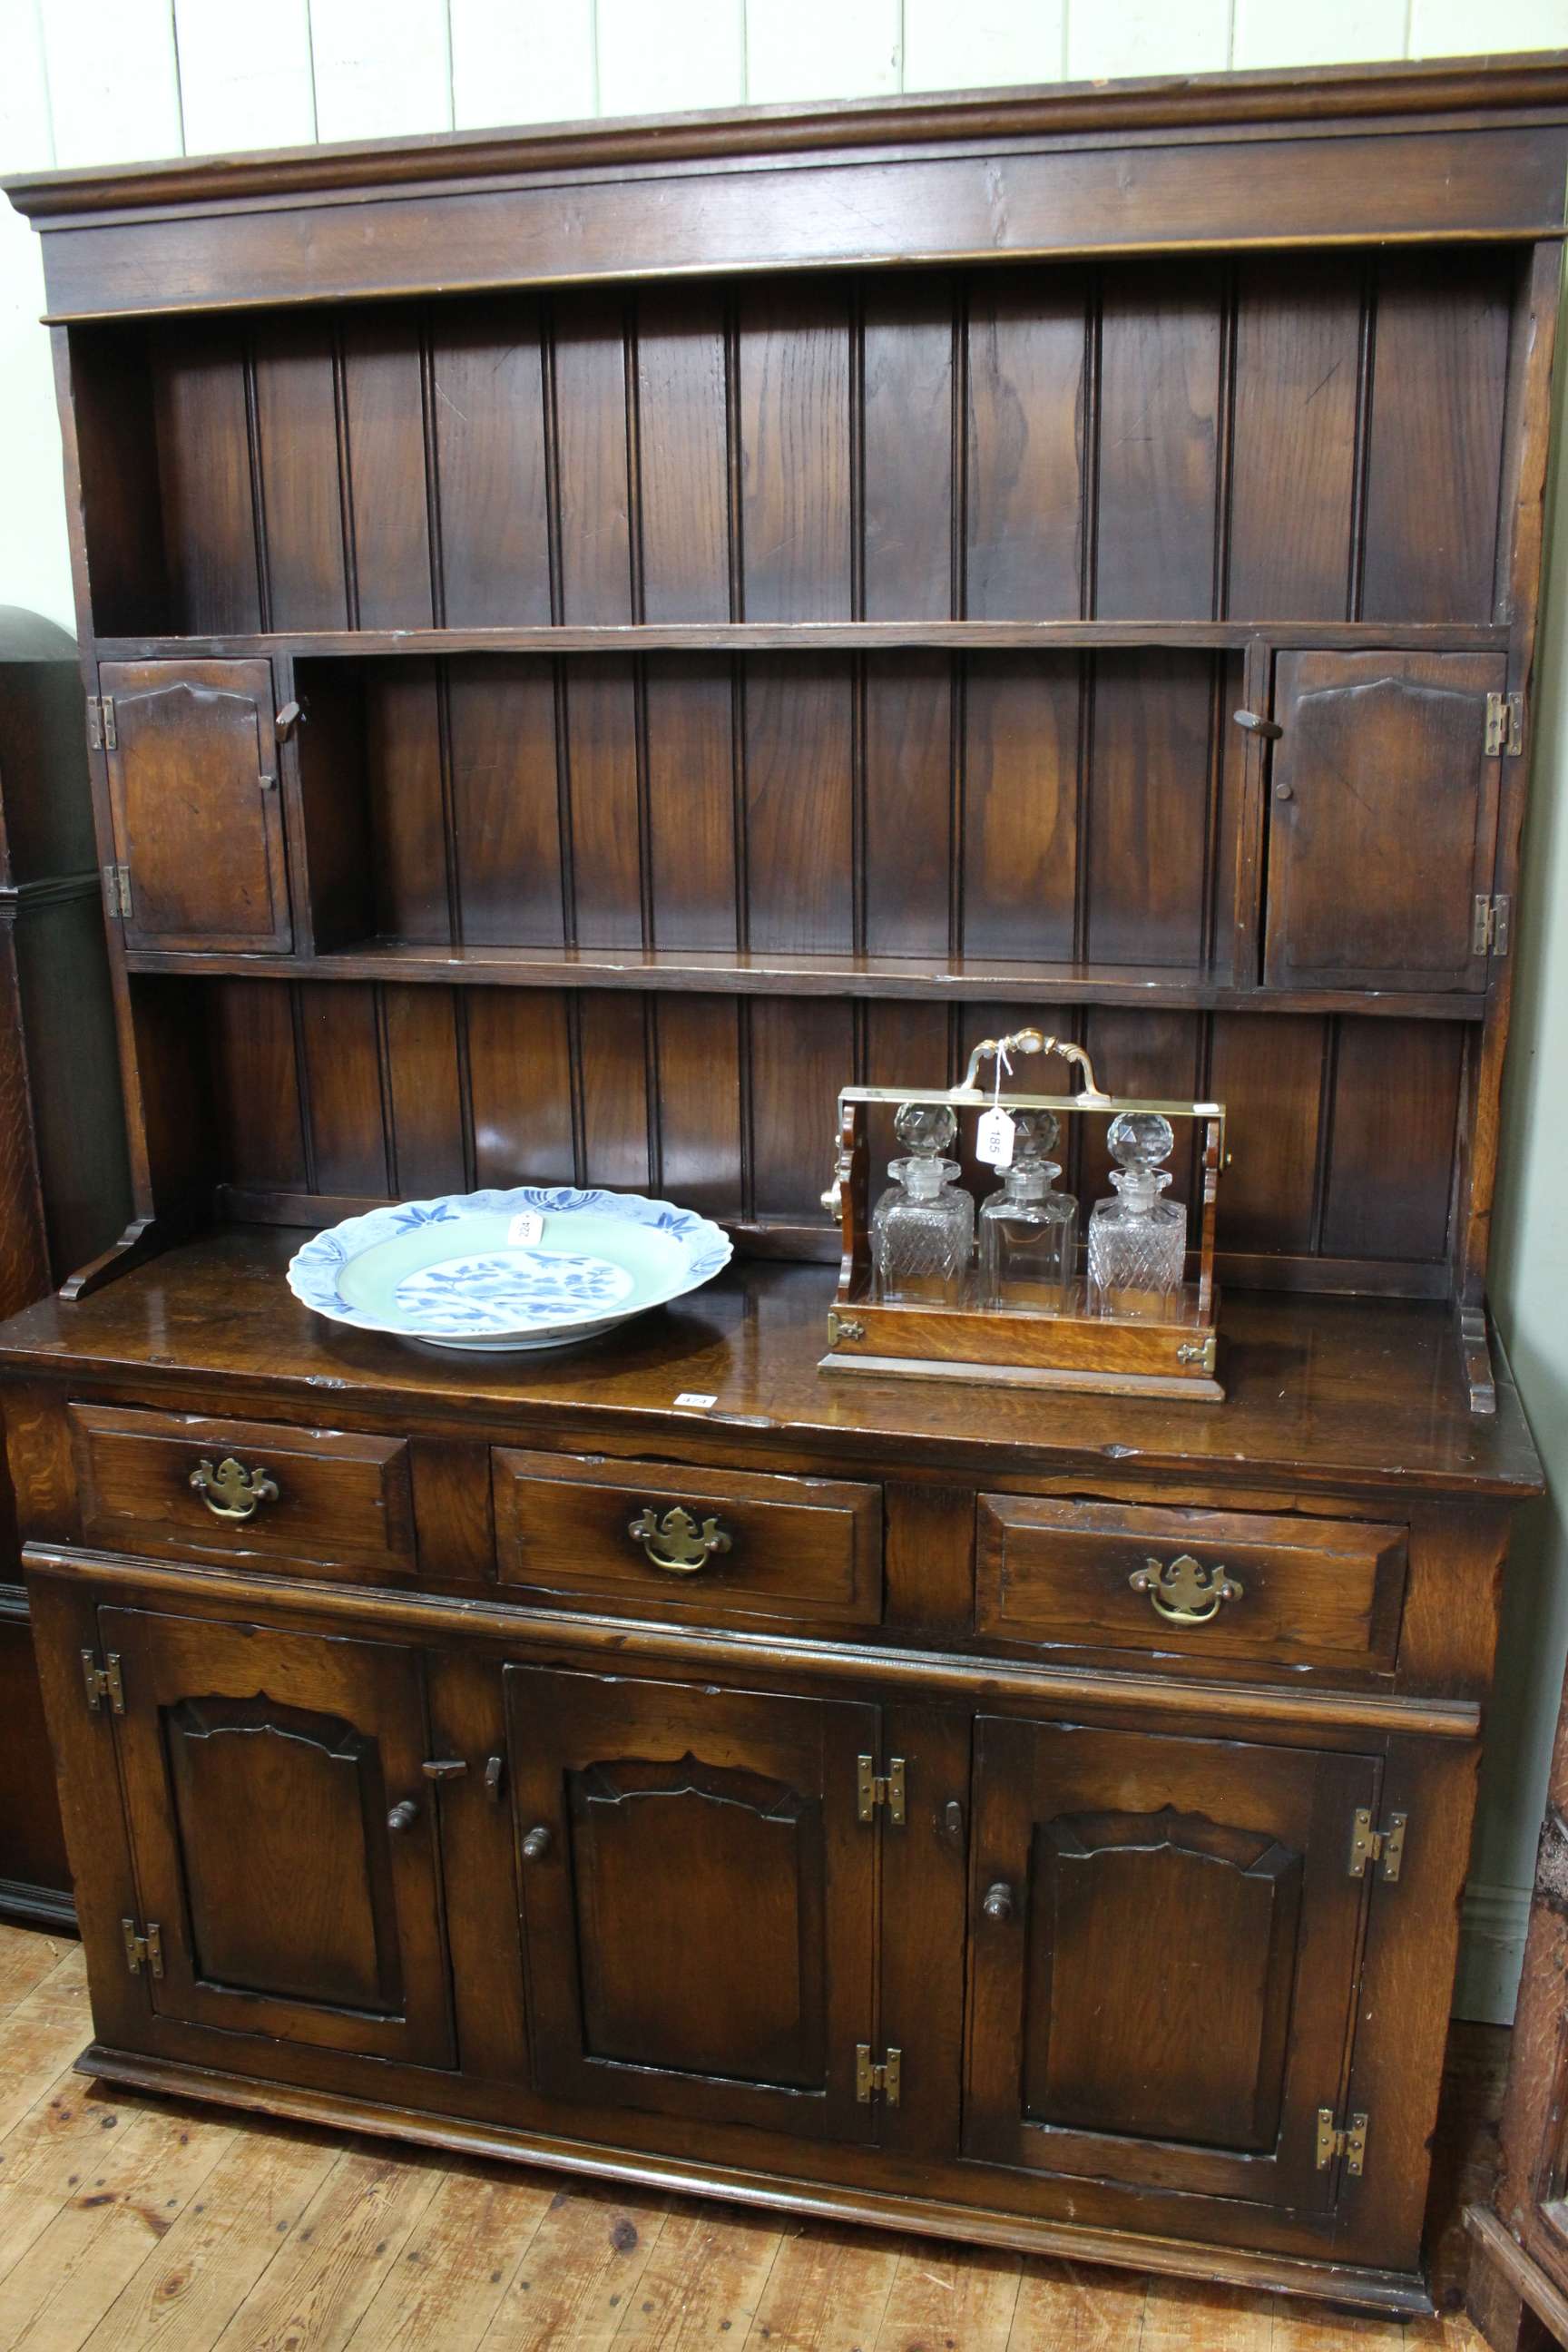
column 537, row 1266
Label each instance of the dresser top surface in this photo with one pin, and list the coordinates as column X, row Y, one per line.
column 1361, row 1391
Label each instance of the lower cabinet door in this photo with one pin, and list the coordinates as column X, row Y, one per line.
column 283, row 1837
column 1165, row 1943
column 697, row 1899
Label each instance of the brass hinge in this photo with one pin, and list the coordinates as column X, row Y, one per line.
column 117, row 889
column 1489, row 925
column 1505, row 726
column 1198, row 1351
column 103, row 1682
column 101, row 734
column 1385, row 1846
column 1350, row 2143
column 143, row 1951
column 873, row 1788
column 843, row 1326
column 883, row 2082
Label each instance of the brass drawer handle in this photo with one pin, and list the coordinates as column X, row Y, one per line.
column 239, row 1492
column 1183, row 1591
column 684, row 1547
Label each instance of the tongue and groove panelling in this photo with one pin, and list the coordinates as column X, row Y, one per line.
column 1184, row 440
column 1342, row 1129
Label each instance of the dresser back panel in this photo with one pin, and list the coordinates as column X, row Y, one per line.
column 1180, row 439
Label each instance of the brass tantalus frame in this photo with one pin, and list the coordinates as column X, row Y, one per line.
column 1065, row 1350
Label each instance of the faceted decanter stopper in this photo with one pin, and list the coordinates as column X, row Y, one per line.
column 922, row 1228
column 1137, row 1241
column 1028, row 1231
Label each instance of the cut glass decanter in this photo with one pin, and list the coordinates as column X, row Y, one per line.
column 922, row 1228
column 1028, row 1231
column 1137, row 1242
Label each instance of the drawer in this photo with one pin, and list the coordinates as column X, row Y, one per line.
column 1297, row 1591
column 726, row 1546
column 322, row 1500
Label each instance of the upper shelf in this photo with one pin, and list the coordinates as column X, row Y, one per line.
column 823, row 637
column 956, row 980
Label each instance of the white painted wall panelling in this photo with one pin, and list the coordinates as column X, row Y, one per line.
column 238, row 92
column 680, row 53
column 114, row 87
column 821, row 48
column 523, row 61
column 1107, row 37
column 988, row 45
column 383, row 67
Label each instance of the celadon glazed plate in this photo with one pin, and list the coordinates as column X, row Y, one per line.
column 538, row 1266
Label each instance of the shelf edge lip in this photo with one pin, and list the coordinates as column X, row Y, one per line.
column 1407, row 90
column 978, row 1675
column 784, row 637
column 870, row 977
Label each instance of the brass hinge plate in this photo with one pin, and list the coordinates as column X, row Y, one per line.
column 873, row 1788
column 104, row 1682
column 1505, row 726
column 1384, row 1846
column 1350, row 2142
column 1489, row 924
column 102, row 732
column 143, row 1951
column 117, row 889
column 883, row 2082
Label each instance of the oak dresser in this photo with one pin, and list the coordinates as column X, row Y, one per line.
column 595, row 640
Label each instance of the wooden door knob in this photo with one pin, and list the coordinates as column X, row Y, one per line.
column 403, row 1816
column 536, row 1844
column 997, row 1902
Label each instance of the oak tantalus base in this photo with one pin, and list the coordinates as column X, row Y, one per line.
column 427, row 1801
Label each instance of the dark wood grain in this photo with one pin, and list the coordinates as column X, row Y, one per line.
column 1435, row 439
column 299, row 460
column 1026, row 426
column 384, row 412
column 1298, row 380
column 487, row 387
column 504, row 718
column 908, row 334
column 1160, row 399
column 682, row 397
column 797, row 525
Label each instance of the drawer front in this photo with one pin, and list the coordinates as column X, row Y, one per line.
column 1222, row 1585
column 729, row 1546
column 324, row 1501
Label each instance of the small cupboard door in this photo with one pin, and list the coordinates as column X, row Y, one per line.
column 697, row 1899
column 282, row 1832
column 1164, row 1942
column 193, row 788
column 1383, row 819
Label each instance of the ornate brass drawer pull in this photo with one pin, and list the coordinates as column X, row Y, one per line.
column 231, row 1491
column 1184, row 1591
column 682, row 1546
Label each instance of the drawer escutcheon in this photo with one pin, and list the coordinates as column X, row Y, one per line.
column 676, row 1543
column 1183, row 1591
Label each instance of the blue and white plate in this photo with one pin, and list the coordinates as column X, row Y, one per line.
column 533, row 1267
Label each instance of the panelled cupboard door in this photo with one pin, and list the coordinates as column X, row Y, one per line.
column 698, row 1897
column 268, row 1778
column 1382, row 820
column 193, row 787
column 1164, row 1941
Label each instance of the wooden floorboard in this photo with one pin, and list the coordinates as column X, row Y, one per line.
column 135, row 2225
